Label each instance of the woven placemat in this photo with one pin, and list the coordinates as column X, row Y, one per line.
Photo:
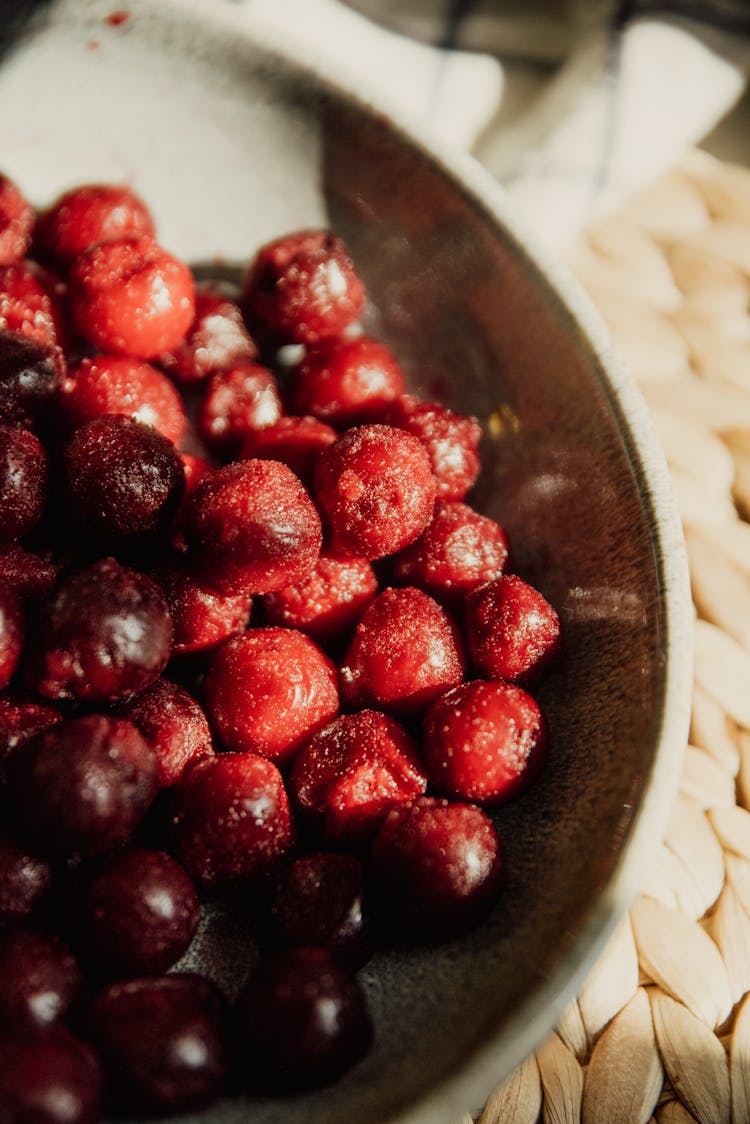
column 661, row 1029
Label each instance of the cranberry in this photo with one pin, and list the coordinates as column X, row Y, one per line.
column 217, row 339
column 39, row 980
column 512, row 629
column 375, row 490
column 231, row 819
column 458, row 551
column 437, row 868
column 83, row 786
column 25, row 881
column 302, row 1021
column 161, row 1041
column 30, row 305
column 133, row 912
column 318, row 901
column 254, row 527
column 16, row 222
column 268, row 690
column 23, row 481
column 21, row 717
column 201, row 616
column 235, row 402
column 29, row 575
column 345, row 382
column 11, row 634
column 406, row 652
column 50, row 1078
column 29, row 381
column 116, row 384
column 303, row 287
column 131, row 297
column 173, row 723
column 87, row 215
column 352, row 772
column 327, row 603
column 114, row 649
column 483, row 741
column 296, row 442
column 451, row 440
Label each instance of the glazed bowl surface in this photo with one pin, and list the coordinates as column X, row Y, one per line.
column 233, row 139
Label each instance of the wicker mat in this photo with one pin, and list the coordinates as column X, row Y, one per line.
column 661, row 1030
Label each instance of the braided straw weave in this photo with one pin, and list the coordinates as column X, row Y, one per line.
column 661, row 1029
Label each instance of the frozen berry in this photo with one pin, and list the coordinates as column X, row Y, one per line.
column 31, row 305
column 231, row 819
column 25, row 881
column 39, row 980
column 11, row 634
column 29, row 381
column 458, row 551
column 303, row 287
column 133, row 912
column 216, row 340
column 512, row 629
column 254, row 527
column 437, row 868
column 83, row 786
column 174, row 725
column 375, row 490
column 131, row 297
column 50, row 1078
column 296, row 442
column 161, row 1042
column 483, row 741
column 116, row 384
column 451, row 441
column 345, row 382
column 268, row 690
column 237, row 401
column 23, row 481
column 87, row 215
column 201, row 616
column 406, row 652
column 16, row 222
column 21, row 717
column 301, row 1022
column 318, row 901
column 328, row 603
column 114, row 649
column 30, row 576
column 347, row 777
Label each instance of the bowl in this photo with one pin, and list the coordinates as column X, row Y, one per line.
column 232, row 139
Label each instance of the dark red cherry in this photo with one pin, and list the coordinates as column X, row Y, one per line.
column 39, row 980
column 50, row 1078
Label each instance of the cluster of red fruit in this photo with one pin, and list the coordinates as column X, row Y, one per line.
column 327, row 762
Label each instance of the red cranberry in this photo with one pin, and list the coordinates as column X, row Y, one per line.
column 133, row 912
column 174, row 725
column 437, row 868
column 345, row 382
column 114, row 649
column 161, row 1042
column 116, row 384
column 513, row 631
column 87, row 215
column 31, row 306
column 11, row 634
column 483, row 741
column 201, row 616
column 254, row 527
column 327, row 603
column 23, row 481
column 302, row 1021
column 50, row 1078
column 29, row 381
column 303, row 287
column 25, row 881
column 83, row 786
column 131, row 297
column 39, row 980
column 235, row 402
column 451, row 440
column 457, row 552
column 406, row 652
column 16, row 222
column 375, row 490
column 318, row 902
column 268, row 690
column 124, row 480
column 217, row 339
column 296, row 442
column 352, row 772
column 21, row 717
column 231, row 819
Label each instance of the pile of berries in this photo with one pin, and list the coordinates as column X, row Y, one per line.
column 287, row 669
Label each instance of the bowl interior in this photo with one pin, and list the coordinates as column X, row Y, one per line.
column 231, row 146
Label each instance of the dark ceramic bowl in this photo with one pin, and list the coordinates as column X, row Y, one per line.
column 232, row 142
